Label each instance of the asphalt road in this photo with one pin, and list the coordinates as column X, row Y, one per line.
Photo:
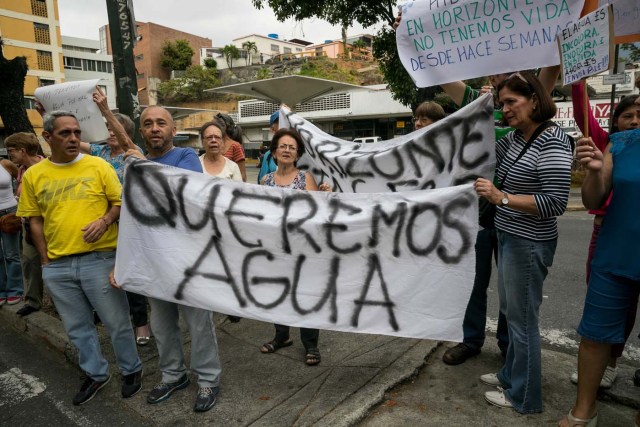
column 37, row 385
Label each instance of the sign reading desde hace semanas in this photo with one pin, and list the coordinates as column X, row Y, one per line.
column 440, row 41
column 585, row 46
column 77, row 98
column 452, row 151
column 398, row 264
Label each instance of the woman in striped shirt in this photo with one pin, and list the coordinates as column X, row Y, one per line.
column 533, row 173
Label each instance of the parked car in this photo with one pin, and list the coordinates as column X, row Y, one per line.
column 368, row 139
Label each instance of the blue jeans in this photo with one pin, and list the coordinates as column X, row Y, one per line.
column 165, row 324
column 475, row 317
column 10, row 267
column 523, row 265
column 78, row 285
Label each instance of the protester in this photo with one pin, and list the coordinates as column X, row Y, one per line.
column 288, row 147
column 72, row 202
column 232, row 139
column 533, row 173
column 614, row 283
column 213, row 162
column 158, row 130
column 626, row 116
column 11, row 288
column 22, row 148
column 268, row 165
column 427, row 113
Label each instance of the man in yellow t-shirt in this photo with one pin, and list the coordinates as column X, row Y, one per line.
column 72, row 202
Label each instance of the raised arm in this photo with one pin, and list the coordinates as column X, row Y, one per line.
column 599, row 136
column 116, row 127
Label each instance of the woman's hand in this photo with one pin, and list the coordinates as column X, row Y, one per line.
column 134, row 153
column 325, row 187
column 588, row 155
column 396, row 23
column 39, row 108
column 100, row 99
column 486, row 189
column 486, row 89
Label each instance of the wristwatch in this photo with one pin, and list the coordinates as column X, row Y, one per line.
column 505, row 199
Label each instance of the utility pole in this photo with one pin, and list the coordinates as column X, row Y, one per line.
column 122, row 30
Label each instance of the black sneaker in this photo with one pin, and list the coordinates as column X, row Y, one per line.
column 206, row 398
column 131, row 384
column 26, row 310
column 88, row 390
column 459, row 354
column 162, row 391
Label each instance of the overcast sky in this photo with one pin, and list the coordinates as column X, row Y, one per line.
column 219, row 20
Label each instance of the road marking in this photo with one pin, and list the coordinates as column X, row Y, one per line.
column 565, row 338
column 76, row 419
column 18, row 387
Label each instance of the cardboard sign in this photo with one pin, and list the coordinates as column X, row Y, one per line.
column 443, row 41
column 77, row 98
column 586, row 47
column 626, row 16
column 399, row 264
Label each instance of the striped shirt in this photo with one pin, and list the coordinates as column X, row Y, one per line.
column 544, row 171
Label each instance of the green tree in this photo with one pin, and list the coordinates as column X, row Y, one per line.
column 632, row 51
column 230, row 53
column 176, row 55
column 12, row 111
column 251, row 48
column 210, row 63
column 190, row 86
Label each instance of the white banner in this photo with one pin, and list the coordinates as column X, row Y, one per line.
column 626, row 15
column 452, row 151
column 443, row 41
column 397, row 264
column 77, row 98
column 586, row 47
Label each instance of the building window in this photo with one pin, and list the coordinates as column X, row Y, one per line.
column 103, row 89
column 46, row 82
column 275, row 48
column 89, row 65
column 103, row 67
column 72, row 63
column 29, row 103
column 39, row 8
column 298, row 49
column 287, row 50
column 140, row 76
column 41, row 32
column 45, row 61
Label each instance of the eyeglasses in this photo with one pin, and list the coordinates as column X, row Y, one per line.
column 287, row 148
column 520, row 76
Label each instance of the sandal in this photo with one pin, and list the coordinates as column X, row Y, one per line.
column 312, row 357
column 275, row 345
column 143, row 340
column 588, row 422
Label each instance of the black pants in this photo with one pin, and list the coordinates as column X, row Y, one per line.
column 309, row 337
column 138, row 309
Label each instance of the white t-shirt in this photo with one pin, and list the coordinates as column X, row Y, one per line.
column 229, row 171
column 7, row 199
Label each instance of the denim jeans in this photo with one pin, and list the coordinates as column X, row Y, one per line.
column 80, row 284
column 523, row 265
column 475, row 317
column 10, row 268
column 205, row 361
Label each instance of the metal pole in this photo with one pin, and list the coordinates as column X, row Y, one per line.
column 122, row 30
column 613, row 88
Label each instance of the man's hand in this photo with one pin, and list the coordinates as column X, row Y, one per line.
column 134, row 153
column 100, row 99
column 112, row 280
column 95, row 230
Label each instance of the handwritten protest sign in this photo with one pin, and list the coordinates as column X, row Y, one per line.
column 585, row 46
column 452, row 151
column 626, row 15
column 76, row 97
column 398, row 264
column 441, row 41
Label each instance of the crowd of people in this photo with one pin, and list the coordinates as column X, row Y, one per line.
column 59, row 228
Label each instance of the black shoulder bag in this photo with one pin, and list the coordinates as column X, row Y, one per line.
column 488, row 209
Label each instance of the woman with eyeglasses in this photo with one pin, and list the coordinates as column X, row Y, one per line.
column 232, row 149
column 427, row 113
column 533, row 174
column 213, row 162
column 287, row 147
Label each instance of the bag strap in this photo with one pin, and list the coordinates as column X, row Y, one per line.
column 536, row 133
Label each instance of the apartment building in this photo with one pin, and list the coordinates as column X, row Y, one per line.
column 31, row 28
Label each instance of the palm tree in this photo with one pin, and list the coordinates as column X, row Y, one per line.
column 250, row 47
column 230, row 52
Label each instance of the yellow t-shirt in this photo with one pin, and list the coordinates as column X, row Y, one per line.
column 69, row 197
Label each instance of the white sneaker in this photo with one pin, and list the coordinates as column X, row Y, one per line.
column 490, row 379
column 610, row 375
column 497, row 398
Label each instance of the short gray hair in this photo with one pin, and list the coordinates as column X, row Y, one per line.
column 51, row 117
